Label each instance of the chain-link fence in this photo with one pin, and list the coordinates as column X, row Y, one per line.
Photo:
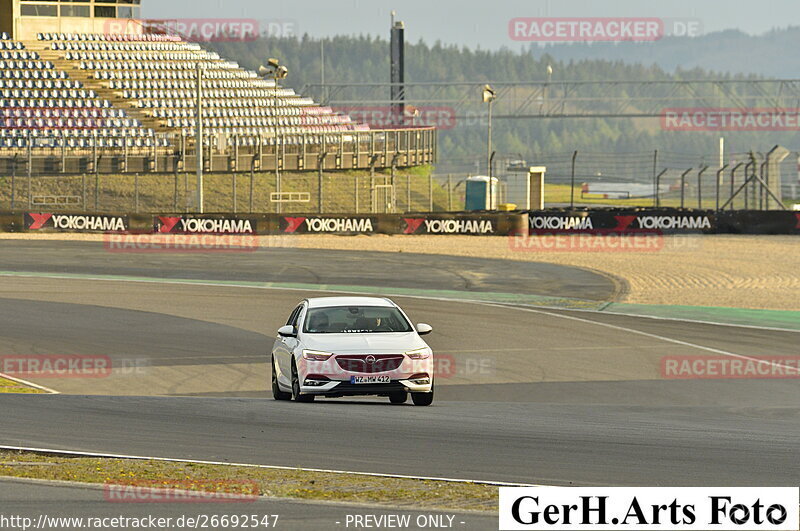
column 657, row 178
column 259, row 192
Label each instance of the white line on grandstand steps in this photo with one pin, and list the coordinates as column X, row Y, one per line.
column 654, row 336
column 30, row 384
column 268, row 467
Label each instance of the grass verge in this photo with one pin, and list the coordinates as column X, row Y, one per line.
column 352, row 488
column 10, row 386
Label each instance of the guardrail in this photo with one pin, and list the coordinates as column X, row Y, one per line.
column 353, row 150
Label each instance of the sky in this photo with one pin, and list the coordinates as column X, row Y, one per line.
column 471, row 23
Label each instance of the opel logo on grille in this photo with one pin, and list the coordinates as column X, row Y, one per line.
column 370, row 359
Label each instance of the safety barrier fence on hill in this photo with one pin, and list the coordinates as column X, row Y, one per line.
column 616, row 222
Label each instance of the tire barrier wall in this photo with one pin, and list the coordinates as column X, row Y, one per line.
column 663, row 221
column 484, row 224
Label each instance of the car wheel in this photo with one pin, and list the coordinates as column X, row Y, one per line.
column 277, row 394
column 296, row 387
column 398, row 398
column 422, row 399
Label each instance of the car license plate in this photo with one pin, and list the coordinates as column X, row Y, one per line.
column 369, row 379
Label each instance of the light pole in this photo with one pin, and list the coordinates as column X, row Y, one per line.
column 489, row 96
column 198, row 137
column 275, row 71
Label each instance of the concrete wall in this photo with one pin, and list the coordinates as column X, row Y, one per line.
column 7, row 16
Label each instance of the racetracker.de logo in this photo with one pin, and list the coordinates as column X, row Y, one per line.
column 730, row 119
column 180, row 491
column 728, row 368
column 608, row 242
column 181, row 243
column 578, row 29
column 55, row 366
column 383, row 117
column 206, row 29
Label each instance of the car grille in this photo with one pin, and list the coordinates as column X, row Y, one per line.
column 369, row 363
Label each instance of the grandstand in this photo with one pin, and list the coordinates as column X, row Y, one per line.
column 75, row 94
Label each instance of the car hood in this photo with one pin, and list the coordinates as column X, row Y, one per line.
column 380, row 343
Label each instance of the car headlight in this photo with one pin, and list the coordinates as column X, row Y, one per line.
column 316, row 355
column 419, row 354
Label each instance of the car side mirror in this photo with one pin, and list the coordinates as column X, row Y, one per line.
column 423, row 329
column 287, row 331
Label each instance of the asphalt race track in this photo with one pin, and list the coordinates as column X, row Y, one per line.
column 527, row 395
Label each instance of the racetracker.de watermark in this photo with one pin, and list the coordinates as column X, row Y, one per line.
column 728, row 368
column 384, row 116
column 56, row 366
column 187, row 243
column 601, row 29
column 730, row 119
column 464, row 366
column 604, row 242
column 181, row 491
column 206, row 29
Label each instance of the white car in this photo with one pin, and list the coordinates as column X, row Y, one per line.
column 351, row 346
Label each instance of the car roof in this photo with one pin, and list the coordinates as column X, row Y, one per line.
column 327, row 302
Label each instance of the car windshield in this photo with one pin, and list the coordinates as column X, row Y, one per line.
column 355, row 320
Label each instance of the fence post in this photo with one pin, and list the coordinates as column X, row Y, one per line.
column 718, row 184
column 655, row 190
column 234, row 192
column 449, row 193
column 408, row 193
column 13, row 181
column 83, row 190
column 252, row 178
column 319, row 186
column 658, row 186
column 30, row 171
column 571, row 182
column 430, row 192
column 372, row 186
column 700, row 187
column 175, row 195
column 355, row 191
column 278, row 204
column 96, row 191
column 683, row 184
column 136, row 193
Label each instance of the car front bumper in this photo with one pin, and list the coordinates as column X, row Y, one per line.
column 344, row 388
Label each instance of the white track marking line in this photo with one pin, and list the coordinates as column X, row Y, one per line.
column 234, row 284
column 653, row 336
column 269, row 467
column 511, row 306
column 30, row 384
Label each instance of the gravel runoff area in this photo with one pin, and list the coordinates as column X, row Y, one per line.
column 737, row 271
column 699, row 270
